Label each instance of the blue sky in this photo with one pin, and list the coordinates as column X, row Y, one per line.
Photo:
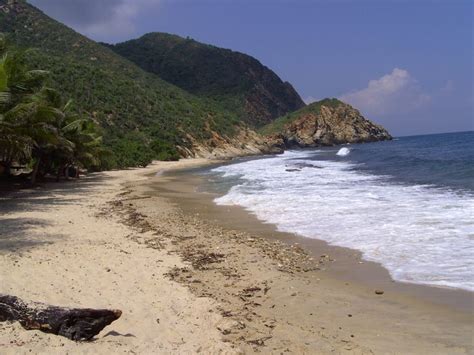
column 407, row 65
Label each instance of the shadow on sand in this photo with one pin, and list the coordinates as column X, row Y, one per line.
column 18, row 232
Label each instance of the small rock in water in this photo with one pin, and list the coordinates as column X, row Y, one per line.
column 379, row 292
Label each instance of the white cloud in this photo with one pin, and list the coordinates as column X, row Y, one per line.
column 309, row 100
column 448, row 87
column 105, row 20
column 394, row 92
column 120, row 21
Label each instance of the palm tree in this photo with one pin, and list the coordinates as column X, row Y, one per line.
column 79, row 133
column 35, row 126
column 17, row 85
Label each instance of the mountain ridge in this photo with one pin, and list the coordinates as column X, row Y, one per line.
column 143, row 116
column 235, row 80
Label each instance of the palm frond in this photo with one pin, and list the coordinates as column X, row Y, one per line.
column 3, row 77
column 68, row 106
column 75, row 125
column 5, row 98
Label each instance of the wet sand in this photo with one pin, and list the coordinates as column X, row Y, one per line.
column 194, row 197
column 334, row 303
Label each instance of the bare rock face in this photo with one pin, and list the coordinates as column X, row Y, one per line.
column 323, row 123
column 245, row 142
column 327, row 122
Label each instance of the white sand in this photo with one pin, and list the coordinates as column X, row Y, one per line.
column 54, row 249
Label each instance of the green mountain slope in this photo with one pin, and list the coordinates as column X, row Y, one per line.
column 325, row 122
column 235, row 80
column 143, row 117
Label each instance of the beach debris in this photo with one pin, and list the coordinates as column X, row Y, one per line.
column 226, row 326
column 77, row 324
column 226, row 313
column 379, row 292
column 306, row 165
column 259, row 341
column 200, row 258
column 251, row 289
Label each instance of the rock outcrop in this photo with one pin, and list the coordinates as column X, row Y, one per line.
column 245, row 142
column 323, row 123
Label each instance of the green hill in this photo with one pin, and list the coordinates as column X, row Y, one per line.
column 237, row 81
column 143, row 117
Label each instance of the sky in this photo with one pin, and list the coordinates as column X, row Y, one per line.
column 405, row 64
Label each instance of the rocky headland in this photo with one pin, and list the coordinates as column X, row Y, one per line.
column 324, row 123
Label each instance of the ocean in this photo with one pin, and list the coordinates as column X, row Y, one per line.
column 407, row 204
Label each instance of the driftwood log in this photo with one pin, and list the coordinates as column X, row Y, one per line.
column 73, row 323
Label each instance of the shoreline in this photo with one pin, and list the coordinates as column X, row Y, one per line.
column 407, row 306
column 187, row 283
column 348, row 264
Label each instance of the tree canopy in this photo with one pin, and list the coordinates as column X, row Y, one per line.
column 38, row 129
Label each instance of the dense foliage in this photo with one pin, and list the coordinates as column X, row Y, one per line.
column 36, row 127
column 236, row 81
column 279, row 124
column 142, row 116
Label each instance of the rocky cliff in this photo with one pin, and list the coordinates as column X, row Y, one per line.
column 245, row 142
column 323, row 123
column 236, row 81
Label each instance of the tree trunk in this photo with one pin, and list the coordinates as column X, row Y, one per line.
column 73, row 323
column 8, row 168
column 60, row 170
column 35, row 170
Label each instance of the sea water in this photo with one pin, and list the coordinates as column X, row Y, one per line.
column 407, row 204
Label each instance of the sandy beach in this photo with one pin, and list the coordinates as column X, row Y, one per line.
column 193, row 278
column 60, row 245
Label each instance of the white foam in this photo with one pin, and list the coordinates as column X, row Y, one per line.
column 420, row 234
column 343, row 152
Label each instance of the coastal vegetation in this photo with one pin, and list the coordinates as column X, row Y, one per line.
column 235, row 81
column 142, row 117
column 38, row 129
column 158, row 97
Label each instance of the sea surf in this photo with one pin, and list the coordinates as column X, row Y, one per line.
column 407, row 204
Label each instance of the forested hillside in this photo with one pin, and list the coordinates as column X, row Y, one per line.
column 142, row 116
column 237, row 81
